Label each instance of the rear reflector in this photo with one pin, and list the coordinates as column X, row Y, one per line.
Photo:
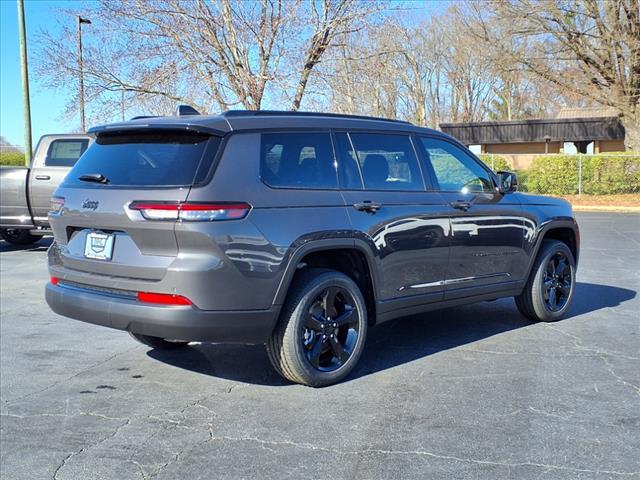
column 191, row 212
column 163, row 298
column 54, row 280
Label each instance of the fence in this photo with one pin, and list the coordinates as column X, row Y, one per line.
column 558, row 174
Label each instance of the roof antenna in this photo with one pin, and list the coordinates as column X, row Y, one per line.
column 184, row 110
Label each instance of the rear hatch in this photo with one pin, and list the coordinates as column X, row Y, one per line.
column 114, row 215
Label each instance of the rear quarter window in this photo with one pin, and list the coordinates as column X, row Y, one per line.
column 65, row 152
column 162, row 159
column 298, row 160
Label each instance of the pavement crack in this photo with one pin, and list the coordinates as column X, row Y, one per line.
column 602, row 355
column 271, row 445
column 85, row 448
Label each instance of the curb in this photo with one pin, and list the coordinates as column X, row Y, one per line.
column 605, row 208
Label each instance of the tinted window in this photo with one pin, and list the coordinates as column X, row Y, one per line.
column 148, row 158
column 454, row 169
column 65, row 152
column 298, row 160
column 350, row 178
column 387, row 162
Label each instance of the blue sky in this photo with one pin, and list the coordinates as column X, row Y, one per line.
column 47, row 106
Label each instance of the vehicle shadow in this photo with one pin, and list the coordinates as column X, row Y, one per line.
column 393, row 343
column 40, row 246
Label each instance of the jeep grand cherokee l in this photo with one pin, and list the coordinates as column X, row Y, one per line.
column 298, row 230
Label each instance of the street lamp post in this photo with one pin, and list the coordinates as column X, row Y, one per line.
column 81, row 69
column 25, row 83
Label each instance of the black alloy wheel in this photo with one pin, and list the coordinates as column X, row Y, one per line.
column 331, row 331
column 322, row 329
column 547, row 295
column 557, row 282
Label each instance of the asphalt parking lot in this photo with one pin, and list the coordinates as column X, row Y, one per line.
column 471, row 392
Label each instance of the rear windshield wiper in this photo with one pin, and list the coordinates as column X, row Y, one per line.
column 94, row 177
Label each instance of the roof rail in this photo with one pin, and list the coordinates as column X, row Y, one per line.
column 284, row 113
column 143, row 116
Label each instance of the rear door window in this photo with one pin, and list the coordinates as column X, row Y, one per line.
column 160, row 158
column 65, row 152
column 298, row 160
column 387, row 162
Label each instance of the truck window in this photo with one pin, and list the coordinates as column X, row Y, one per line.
column 65, row 152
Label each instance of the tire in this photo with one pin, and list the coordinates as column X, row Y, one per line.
column 307, row 346
column 18, row 236
column 158, row 343
column 536, row 302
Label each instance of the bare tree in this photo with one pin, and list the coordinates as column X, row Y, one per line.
column 589, row 47
column 213, row 55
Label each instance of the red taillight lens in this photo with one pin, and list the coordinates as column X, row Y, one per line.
column 163, row 298
column 54, row 280
column 191, row 212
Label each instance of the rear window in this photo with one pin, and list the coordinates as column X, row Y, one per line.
column 148, row 159
column 298, row 160
column 65, row 152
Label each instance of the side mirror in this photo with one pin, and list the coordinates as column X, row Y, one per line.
column 507, row 182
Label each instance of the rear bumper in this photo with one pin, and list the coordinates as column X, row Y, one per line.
column 174, row 322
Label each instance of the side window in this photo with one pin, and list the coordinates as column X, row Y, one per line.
column 350, row 178
column 454, row 169
column 298, row 160
column 387, row 162
column 65, row 152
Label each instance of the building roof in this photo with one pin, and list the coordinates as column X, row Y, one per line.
column 539, row 130
column 588, row 112
column 241, row 120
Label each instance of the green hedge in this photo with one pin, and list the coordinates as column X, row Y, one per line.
column 601, row 174
column 495, row 162
column 11, row 158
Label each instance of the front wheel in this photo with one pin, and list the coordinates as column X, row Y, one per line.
column 321, row 332
column 548, row 293
column 18, row 236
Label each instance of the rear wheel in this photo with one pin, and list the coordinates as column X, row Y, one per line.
column 321, row 332
column 18, row 236
column 549, row 290
column 159, row 343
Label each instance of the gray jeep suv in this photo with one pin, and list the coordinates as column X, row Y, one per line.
column 298, row 230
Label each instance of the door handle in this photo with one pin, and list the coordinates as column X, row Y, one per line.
column 43, row 177
column 367, row 206
column 461, row 205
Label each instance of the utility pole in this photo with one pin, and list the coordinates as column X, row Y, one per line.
column 81, row 20
column 26, row 105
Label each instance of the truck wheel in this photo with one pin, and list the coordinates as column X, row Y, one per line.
column 158, row 343
column 322, row 329
column 18, row 236
column 548, row 293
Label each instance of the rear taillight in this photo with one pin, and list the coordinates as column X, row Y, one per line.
column 56, row 204
column 54, row 280
column 191, row 212
column 163, row 298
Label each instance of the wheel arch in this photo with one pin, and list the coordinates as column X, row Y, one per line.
column 565, row 231
column 349, row 256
